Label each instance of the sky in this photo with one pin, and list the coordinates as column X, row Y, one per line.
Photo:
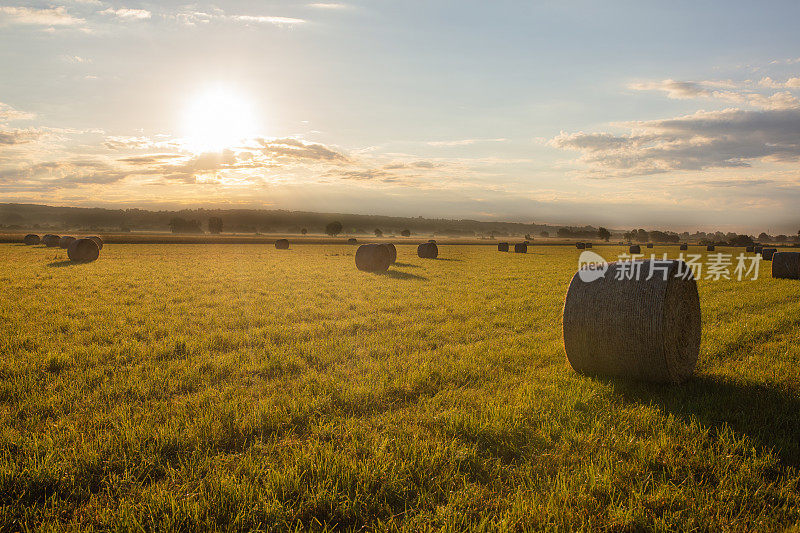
column 670, row 115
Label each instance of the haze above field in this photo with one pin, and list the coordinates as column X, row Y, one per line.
column 680, row 116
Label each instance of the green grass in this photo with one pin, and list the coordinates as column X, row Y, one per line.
column 240, row 387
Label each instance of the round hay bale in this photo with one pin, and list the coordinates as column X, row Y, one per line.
column 502, row 246
column 749, row 248
column 758, row 249
column 710, row 248
column 31, row 238
column 767, row 253
column 97, row 240
column 373, row 258
column 392, row 252
column 83, row 251
column 588, row 245
column 282, row 244
column 786, row 265
column 63, row 242
column 635, row 249
column 642, row 329
column 428, row 250
column 580, row 245
column 649, row 244
column 50, row 240
column 352, row 240
column 684, row 246
column 527, row 243
column 520, row 248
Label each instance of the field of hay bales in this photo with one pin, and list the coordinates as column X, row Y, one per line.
column 193, row 387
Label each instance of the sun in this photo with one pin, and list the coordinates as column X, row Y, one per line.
column 216, row 118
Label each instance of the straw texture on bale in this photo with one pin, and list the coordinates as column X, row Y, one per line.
column 710, row 248
column 428, row 250
column 31, row 238
column 352, row 240
column 749, row 248
column 50, row 240
column 392, row 252
column 580, row 245
column 684, row 247
column 639, row 328
column 786, row 265
column 282, row 244
column 767, row 253
column 83, row 251
column 97, row 241
column 520, row 248
column 373, row 258
column 588, row 245
column 63, row 242
column 635, row 249
column 502, row 246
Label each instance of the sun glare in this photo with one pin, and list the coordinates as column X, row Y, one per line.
column 218, row 118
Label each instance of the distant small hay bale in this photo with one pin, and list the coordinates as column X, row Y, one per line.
column 64, row 241
column 428, row 250
column 710, row 248
column 282, row 244
column 83, row 251
column 392, row 252
column 758, row 249
column 635, row 249
column 649, row 244
column 684, row 246
column 767, row 253
column 786, row 265
column 352, row 240
column 31, row 238
column 580, row 245
column 588, row 244
column 51, row 241
column 97, row 240
column 373, row 258
column 520, row 248
column 749, row 248
column 502, row 246
column 641, row 329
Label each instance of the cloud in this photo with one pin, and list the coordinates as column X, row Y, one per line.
column 465, row 142
column 8, row 113
column 328, row 5
column 54, row 16
column 680, row 90
column 791, row 83
column 294, row 148
column 267, row 20
column 14, row 137
column 61, row 174
column 127, row 14
column 735, row 92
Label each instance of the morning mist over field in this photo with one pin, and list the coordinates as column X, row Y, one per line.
column 681, row 116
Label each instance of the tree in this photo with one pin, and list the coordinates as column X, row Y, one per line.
column 406, row 233
column 781, row 238
column 215, row 225
column 378, row 233
column 334, row 228
column 545, row 234
column 764, row 237
column 603, row 233
column 181, row 225
column 304, row 231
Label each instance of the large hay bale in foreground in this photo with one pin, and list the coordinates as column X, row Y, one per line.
column 642, row 329
column 635, row 249
column 580, row 245
column 352, row 240
column 767, row 253
column 520, row 248
column 373, row 258
column 31, row 238
column 710, row 248
column 97, row 241
column 83, row 251
column 749, row 248
column 392, row 252
column 50, row 240
column 684, row 246
column 428, row 250
column 64, row 241
column 502, row 246
column 282, row 244
column 786, row 265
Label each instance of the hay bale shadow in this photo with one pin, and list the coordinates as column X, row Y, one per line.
column 765, row 413
column 408, row 265
column 447, row 259
column 396, row 274
column 59, row 264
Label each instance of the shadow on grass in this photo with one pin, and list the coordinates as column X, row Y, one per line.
column 447, row 259
column 396, row 274
column 62, row 263
column 405, row 265
column 765, row 413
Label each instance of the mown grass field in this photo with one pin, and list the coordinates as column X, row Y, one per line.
column 241, row 387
